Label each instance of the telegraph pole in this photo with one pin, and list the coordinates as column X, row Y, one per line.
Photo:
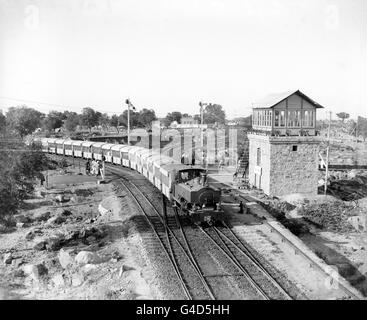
column 129, row 104
column 327, row 155
column 201, row 104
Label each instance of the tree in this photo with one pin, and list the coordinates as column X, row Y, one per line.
column 104, row 120
column 146, row 117
column 214, row 113
column 72, row 121
column 89, row 118
column 114, row 122
column 2, row 123
column 21, row 164
column 343, row 115
column 53, row 120
column 362, row 127
column 24, row 120
column 134, row 118
column 172, row 116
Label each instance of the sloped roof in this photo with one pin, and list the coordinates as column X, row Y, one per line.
column 273, row 99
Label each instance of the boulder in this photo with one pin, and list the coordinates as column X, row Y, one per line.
column 77, row 279
column 65, row 259
column 23, row 219
column 8, row 258
column 71, row 235
column 66, row 213
column 87, row 257
column 58, row 219
column 32, row 234
column 54, row 243
column 21, row 225
column 35, row 271
column 58, row 280
column 17, row 262
column 40, row 245
column 42, row 216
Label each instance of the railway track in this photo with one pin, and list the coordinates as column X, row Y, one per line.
column 233, row 247
column 190, row 277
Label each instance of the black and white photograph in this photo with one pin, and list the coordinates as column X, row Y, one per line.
column 203, row 152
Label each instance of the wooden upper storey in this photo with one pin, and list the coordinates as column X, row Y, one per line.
column 291, row 113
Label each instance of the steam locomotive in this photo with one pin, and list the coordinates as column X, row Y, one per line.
column 185, row 186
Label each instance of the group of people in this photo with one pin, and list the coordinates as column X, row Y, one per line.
column 95, row 167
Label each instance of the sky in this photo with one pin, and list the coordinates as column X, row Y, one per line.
column 169, row 55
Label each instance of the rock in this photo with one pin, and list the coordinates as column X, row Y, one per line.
column 21, row 225
column 91, row 239
column 8, row 258
column 87, row 257
column 40, row 245
column 77, row 279
column 18, row 273
column 102, row 210
column 35, row 271
column 65, row 259
column 66, row 213
column 89, row 267
column 23, row 219
column 72, row 235
column 54, row 243
column 58, row 219
column 42, row 216
column 17, row 262
column 32, row 234
column 58, row 280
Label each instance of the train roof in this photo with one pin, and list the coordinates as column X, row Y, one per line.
column 171, row 167
column 108, row 145
column 60, row 140
column 87, row 143
column 161, row 160
column 117, row 147
column 51, row 140
column 76, row 142
column 98, row 144
column 68, row 142
column 134, row 149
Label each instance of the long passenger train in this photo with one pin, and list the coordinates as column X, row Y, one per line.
column 184, row 186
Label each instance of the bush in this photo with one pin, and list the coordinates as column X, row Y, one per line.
column 21, row 165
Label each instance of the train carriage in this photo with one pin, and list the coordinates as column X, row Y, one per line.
column 124, row 154
column 116, row 151
column 86, row 149
column 107, row 151
column 68, row 147
column 52, row 145
column 146, row 162
column 44, row 144
column 96, row 149
column 167, row 175
column 77, row 148
column 141, row 158
column 155, row 168
column 133, row 154
column 60, row 146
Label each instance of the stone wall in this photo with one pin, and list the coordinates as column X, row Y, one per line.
column 293, row 171
column 285, row 170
